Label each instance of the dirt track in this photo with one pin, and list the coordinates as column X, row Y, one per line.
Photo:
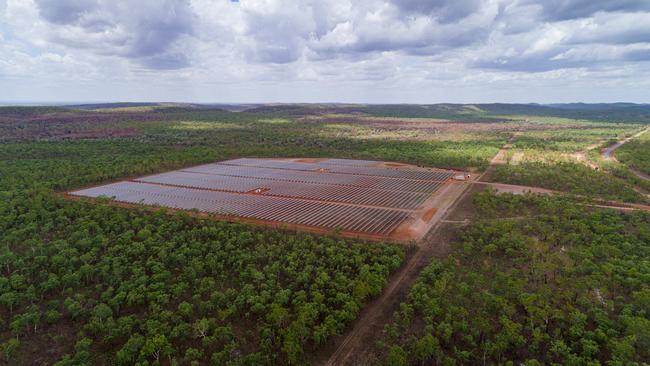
column 500, row 158
column 437, row 126
column 355, row 347
column 514, row 189
column 608, row 153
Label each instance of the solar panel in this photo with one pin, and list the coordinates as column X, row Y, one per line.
column 313, row 191
column 318, row 177
column 353, row 195
column 380, row 221
column 350, row 162
column 421, row 174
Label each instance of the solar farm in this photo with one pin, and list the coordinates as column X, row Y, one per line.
column 356, row 198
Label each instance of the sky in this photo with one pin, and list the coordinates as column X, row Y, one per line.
column 347, row 51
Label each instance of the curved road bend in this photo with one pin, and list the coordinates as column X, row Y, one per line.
column 608, row 153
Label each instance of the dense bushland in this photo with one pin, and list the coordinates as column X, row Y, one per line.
column 84, row 283
column 567, row 177
column 558, row 283
column 129, row 285
column 636, row 154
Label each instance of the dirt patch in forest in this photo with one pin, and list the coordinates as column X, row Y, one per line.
column 465, row 209
column 437, row 126
column 99, row 133
column 46, row 346
column 74, row 125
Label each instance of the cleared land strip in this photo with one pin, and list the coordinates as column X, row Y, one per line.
column 517, row 189
column 350, row 348
column 374, row 315
column 370, row 322
column 608, row 153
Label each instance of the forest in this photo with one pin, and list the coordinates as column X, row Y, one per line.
column 569, row 177
column 88, row 283
column 126, row 286
column 84, row 283
column 532, row 281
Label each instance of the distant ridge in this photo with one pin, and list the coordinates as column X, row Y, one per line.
column 607, row 112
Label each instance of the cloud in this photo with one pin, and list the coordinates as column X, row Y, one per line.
column 65, row 11
column 276, row 31
column 148, row 33
column 602, row 39
column 610, row 28
column 407, row 26
column 557, row 10
column 405, row 43
column 444, row 11
column 493, row 34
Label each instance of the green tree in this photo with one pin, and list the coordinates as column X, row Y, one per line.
column 396, row 357
column 9, row 348
column 156, row 347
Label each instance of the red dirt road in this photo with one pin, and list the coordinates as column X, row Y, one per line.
column 355, row 347
column 514, row 189
column 351, row 347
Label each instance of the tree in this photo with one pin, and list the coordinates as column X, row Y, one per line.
column 156, row 347
column 129, row 352
column 185, row 309
column 52, row 316
column 9, row 348
column 73, row 307
column 193, row 354
column 396, row 357
column 202, row 327
column 426, row 347
column 102, row 312
column 9, row 299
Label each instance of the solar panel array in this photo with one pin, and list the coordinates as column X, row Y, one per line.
column 299, row 176
column 350, row 162
column 373, row 220
column 313, row 191
column 424, row 174
column 352, row 195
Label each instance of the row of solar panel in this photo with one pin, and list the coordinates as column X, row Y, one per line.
column 373, row 220
column 350, row 162
column 313, row 191
column 435, row 175
column 384, row 183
